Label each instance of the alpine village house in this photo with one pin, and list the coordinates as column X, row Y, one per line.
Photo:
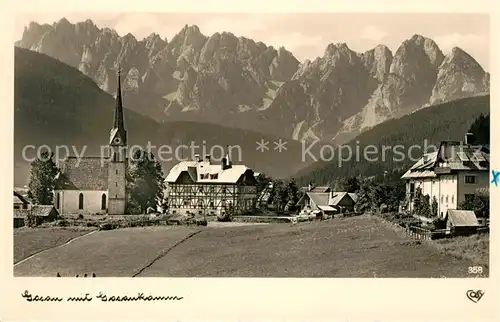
column 201, row 187
column 96, row 185
column 451, row 175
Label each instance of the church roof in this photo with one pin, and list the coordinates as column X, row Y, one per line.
column 89, row 173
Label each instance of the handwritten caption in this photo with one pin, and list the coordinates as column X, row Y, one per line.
column 87, row 297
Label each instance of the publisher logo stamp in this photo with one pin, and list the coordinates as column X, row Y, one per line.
column 474, row 296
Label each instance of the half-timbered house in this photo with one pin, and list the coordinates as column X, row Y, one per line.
column 203, row 187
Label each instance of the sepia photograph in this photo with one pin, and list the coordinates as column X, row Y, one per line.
column 299, row 145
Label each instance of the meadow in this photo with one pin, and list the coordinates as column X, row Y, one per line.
column 363, row 246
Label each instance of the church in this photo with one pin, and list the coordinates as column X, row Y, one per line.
column 96, row 185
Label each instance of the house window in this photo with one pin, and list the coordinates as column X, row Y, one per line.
column 103, row 201
column 446, row 198
column 212, row 204
column 200, row 189
column 442, row 198
column 116, row 171
column 116, row 184
column 470, row 179
column 80, row 201
column 58, row 200
column 452, row 198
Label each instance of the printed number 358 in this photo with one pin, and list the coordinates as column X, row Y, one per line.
column 475, row 270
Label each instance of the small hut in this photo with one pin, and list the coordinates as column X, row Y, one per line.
column 461, row 222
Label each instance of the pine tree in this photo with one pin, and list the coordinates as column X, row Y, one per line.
column 434, row 207
column 42, row 179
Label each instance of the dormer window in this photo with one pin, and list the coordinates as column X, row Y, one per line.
column 214, row 176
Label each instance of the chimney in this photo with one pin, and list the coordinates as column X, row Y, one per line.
column 226, row 161
column 207, row 158
column 309, row 187
column 197, row 157
column 467, row 136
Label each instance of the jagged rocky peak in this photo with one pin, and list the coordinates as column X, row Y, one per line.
column 32, row 33
column 284, row 65
column 461, row 60
column 333, row 49
column 87, row 25
column 154, row 43
column 377, row 61
column 417, row 55
column 459, row 75
column 187, row 42
column 191, row 35
column 334, row 52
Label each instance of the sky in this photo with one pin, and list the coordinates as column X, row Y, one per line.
column 306, row 35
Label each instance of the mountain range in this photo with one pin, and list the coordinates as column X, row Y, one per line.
column 57, row 105
column 238, row 82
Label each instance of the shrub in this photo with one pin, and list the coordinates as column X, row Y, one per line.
column 107, row 226
column 30, row 220
column 201, row 222
column 63, row 223
column 224, row 216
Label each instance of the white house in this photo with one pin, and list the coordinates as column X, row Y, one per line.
column 451, row 175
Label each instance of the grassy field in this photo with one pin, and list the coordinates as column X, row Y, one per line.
column 31, row 241
column 352, row 247
column 475, row 248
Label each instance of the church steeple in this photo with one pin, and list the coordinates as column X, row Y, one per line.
column 118, row 135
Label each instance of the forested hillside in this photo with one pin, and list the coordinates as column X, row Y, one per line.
column 449, row 121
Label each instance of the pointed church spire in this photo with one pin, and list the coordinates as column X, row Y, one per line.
column 118, row 133
column 119, row 107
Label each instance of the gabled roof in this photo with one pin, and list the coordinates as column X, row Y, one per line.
column 42, row 210
column 18, row 198
column 327, row 198
column 462, row 218
column 458, row 156
column 319, row 198
column 336, row 197
column 89, row 173
column 354, row 196
column 215, row 172
column 452, row 155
